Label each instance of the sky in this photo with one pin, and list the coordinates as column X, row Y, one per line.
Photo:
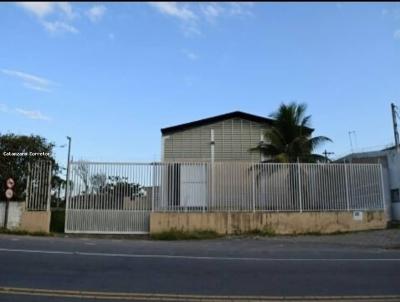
column 111, row 75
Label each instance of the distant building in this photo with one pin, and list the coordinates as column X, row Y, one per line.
column 390, row 160
column 226, row 137
column 222, row 138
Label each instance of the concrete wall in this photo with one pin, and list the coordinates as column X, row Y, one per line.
column 35, row 221
column 15, row 210
column 280, row 223
column 20, row 219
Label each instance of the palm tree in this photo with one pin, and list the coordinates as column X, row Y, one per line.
column 289, row 138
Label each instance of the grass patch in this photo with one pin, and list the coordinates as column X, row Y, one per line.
column 57, row 221
column 175, row 234
column 22, row 232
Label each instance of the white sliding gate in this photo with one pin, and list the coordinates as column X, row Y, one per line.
column 118, row 197
column 110, row 198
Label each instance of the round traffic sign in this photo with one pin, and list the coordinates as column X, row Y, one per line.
column 9, row 193
column 10, row 183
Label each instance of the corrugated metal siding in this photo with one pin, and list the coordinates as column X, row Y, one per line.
column 233, row 139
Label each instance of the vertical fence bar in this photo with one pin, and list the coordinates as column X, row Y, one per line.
column 28, row 186
column 49, row 188
column 347, row 187
column 383, row 189
column 153, row 187
column 254, row 188
column 299, row 180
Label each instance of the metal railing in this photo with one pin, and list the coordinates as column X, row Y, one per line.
column 239, row 186
column 38, row 189
column 118, row 197
column 225, row 186
column 110, row 197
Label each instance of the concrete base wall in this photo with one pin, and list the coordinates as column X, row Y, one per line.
column 20, row 219
column 36, row 221
column 15, row 210
column 280, row 223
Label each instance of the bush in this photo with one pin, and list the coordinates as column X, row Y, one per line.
column 57, row 221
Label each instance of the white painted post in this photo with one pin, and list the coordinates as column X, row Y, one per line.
column 28, row 187
column 49, row 189
column 254, row 190
column 347, row 187
column 383, row 189
column 212, row 166
column 299, row 178
column 153, row 187
column 67, row 197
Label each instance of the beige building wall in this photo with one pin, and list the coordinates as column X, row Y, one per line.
column 233, row 138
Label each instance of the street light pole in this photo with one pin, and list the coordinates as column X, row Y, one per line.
column 69, row 154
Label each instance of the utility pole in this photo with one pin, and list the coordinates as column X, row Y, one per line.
column 396, row 132
column 69, row 154
column 326, row 153
column 351, row 142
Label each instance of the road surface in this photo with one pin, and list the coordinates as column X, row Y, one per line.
column 87, row 269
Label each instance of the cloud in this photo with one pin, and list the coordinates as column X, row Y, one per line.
column 35, row 114
column 396, row 34
column 190, row 55
column 43, row 9
column 61, row 14
column 31, row 114
column 59, row 26
column 192, row 15
column 174, row 9
column 66, row 8
column 211, row 10
column 3, row 108
column 29, row 80
column 40, row 9
column 36, row 87
column 95, row 13
column 240, row 9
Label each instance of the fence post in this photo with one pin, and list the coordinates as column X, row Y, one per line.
column 67, row 195
column 49, row 189
column 212, row 143
column 383, row 190
column 254, row 190
column 153, row 187
column 28, row 187
column 347, row 187
column 299, row 178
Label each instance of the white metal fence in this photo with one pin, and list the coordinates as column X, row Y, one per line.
column 38, row 189
column 118, row 197
column 239, row 186
column 109, row 197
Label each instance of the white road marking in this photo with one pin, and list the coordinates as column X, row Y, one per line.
column 5, row 250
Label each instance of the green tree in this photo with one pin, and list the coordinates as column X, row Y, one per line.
column 290, row 137
column 16, row 166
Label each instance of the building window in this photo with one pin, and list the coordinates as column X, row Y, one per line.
column 395, row 195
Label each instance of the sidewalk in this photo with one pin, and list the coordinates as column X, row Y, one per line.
column 387, row 239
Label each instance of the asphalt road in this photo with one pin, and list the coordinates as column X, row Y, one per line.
column 74, row 269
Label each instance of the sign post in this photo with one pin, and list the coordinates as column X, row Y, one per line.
column 9, row 194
